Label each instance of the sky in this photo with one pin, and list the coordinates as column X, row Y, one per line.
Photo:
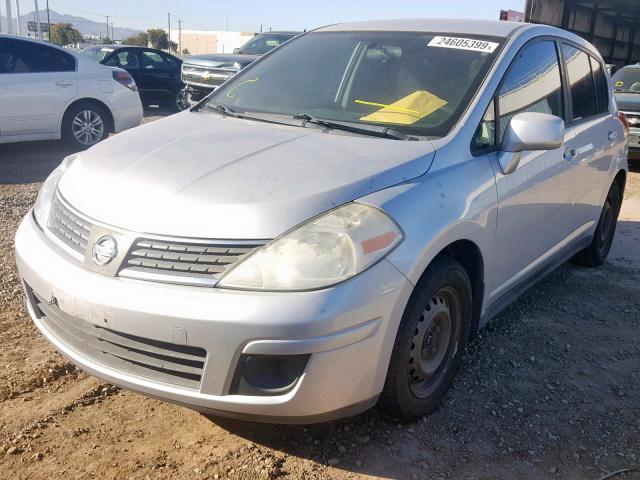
column 248, row 15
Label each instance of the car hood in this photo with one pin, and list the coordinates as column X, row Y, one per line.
column 220, row 60
column 202, row 175
column 628, row 101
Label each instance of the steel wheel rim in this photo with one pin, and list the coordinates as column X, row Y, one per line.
column 434, row 341
column 181, row 100
column 87, row 127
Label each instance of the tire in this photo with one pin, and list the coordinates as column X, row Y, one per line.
column 430, row 343
column 596, row 253
column 179, row 101
column 84, row 125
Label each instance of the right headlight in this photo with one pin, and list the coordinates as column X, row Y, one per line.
column 47, row 190
column 319, row 253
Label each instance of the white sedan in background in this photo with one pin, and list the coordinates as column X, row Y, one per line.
column 47, row 93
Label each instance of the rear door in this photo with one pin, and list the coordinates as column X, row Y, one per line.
column 534, row 201
column 594, row 130
column 37, row 82
column 158, row 79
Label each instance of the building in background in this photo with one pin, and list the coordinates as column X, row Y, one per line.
column 209, row 41
column 511, row 15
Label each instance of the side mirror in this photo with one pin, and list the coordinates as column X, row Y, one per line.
column 529, row 131
column 236, row 51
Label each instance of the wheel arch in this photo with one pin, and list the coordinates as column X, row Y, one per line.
column 621, row 178
column 470, row 256
column 92, row 101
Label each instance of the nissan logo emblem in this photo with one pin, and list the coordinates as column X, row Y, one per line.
column 104, row 250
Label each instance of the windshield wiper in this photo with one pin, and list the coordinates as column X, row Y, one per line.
column 224, row 110
column 385, row 132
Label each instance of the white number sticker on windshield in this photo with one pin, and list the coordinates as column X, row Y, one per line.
column 463, row 44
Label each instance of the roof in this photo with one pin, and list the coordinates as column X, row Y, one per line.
column 494, row 28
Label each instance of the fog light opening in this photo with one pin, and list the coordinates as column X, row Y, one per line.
column 265, row 375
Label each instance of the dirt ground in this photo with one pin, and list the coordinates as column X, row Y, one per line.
column 551, row 389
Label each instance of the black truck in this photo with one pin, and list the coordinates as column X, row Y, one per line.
column 202, row 74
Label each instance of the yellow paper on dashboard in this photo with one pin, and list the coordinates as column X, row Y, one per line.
column 405, row 111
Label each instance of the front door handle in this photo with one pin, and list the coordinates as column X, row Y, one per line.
column 612, row 135
column 570, row 154
column 63, row 83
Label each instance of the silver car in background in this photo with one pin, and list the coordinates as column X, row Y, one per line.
column 333, row 225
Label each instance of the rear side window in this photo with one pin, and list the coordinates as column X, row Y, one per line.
column 152, row 61
column 602, row 92
column 532, row 84
column 31, row 57
column 583, row 90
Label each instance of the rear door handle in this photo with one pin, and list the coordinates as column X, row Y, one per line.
column 64, row 83
column 612, row 135
column 570, row 154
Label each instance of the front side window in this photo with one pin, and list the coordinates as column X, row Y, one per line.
column 417, row 83
column 34, row 57
column 583, row 90
column 532, row 84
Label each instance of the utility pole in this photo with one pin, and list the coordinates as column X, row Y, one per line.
column 112, row 34
column 179, row 36
column 38, row 28
column 48, row 23
column 107, row 16
column 9, row 18
column 18, row 17
column 169, row 22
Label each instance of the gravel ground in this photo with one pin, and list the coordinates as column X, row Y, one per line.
column 551, row 389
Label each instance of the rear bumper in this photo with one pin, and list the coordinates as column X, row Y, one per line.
column 126, row 109
column 348, row 330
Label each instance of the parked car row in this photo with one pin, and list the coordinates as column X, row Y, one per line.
column 331, row 226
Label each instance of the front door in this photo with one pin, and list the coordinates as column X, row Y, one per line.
column 534, row 201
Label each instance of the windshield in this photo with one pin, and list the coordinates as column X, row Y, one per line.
column 414, row 82
column 627, row 80
column 96, row 53
column 261, row 44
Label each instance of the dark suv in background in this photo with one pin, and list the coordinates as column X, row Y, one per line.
column 202, row 74
column 157, row 73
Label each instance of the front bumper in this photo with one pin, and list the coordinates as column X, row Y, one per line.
column 348, row 330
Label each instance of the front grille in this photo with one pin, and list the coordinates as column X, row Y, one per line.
column 68, row 227
column 164, row 362
column 205, row 76
column 180, row 262
column 633, row 118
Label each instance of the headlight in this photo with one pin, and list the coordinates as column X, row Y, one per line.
column 322, row 252
column 45, row 195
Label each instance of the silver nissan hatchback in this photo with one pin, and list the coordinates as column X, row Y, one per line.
column 329, row 228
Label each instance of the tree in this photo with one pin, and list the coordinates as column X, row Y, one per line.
column 158, row 38
column 173, row 46
column 139, row 40
column 185, row 51
column 64, row 34
column 107, row 41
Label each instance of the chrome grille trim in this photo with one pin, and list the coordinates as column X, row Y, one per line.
column 68, row 227
column 205, row 77
column 184, row 262
column 177, row 365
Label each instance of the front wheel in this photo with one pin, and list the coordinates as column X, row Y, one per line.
column 596, row 253
column 430, row 343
